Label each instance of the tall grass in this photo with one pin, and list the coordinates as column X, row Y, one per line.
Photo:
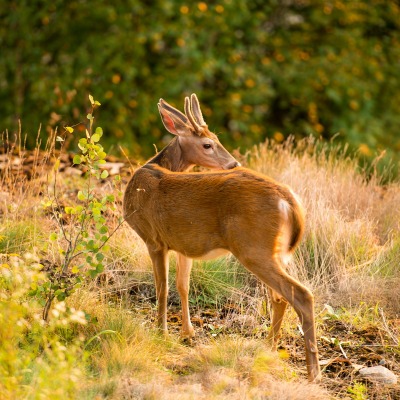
column 349, row 256
column 353, row 221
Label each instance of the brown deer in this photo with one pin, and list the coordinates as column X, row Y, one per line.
column 203, row 215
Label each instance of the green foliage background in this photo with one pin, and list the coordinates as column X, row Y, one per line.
column 260, row 68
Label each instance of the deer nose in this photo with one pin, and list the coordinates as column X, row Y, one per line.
column 233, row 164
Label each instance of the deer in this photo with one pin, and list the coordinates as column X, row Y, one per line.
column 208, row 214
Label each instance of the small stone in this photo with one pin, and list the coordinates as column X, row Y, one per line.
column 71, row 171
column 113, row 168
column 379, row 374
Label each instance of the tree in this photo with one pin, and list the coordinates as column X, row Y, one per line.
column 261, row 69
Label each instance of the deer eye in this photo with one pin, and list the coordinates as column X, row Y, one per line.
column 207, row 146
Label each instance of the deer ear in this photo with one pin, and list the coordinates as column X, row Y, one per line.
column 174, row 121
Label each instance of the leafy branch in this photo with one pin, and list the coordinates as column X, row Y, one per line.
column 82, row 240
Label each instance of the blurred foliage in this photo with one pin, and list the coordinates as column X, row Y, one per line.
column 260, row 68
column 36, row 361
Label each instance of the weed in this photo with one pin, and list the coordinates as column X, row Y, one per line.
column 358, row 391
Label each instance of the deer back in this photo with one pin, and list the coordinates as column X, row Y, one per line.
column 195, row 213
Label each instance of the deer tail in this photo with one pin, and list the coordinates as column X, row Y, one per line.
column 292, row 227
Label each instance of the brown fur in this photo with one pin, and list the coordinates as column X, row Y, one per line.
column 222, row 207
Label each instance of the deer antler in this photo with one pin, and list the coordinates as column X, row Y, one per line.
column 195, row 107
column 192, row 106
column 188, row 112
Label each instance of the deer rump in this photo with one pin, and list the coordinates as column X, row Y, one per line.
column 203, row 215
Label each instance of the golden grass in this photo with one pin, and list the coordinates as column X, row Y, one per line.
column 353, row 222
column 349, row 257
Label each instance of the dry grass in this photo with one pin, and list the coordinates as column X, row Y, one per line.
column 353, row 222
column 349, row 257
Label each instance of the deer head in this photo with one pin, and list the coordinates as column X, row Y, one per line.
column 199, row 146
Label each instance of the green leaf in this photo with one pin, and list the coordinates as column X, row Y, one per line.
column 69, row 129
column 61, row 295
column 99, row 256
column 78, row 209
column 77, row 159
column 53, row 236
column 75, row 269
column 99, row 131
column 89, row 117
column 99, row 268
column 103, row 229
column 95, row 138
column 46, row 204
column 104, row 174
column 96, row 103
column 93, row 273
column 81, row 196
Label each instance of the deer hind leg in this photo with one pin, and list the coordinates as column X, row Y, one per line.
column 269, row 270
column 159, row 259
column 278, row 304
column 183, row 268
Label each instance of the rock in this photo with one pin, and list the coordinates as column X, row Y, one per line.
column 113, row 168
column 379, row 374
column 71, row 171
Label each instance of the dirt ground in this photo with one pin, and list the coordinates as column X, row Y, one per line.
column 343, row 350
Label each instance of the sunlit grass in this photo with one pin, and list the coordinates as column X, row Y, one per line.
column 20, row 236
column 349, row 257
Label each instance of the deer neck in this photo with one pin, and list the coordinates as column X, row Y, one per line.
column 171, row 157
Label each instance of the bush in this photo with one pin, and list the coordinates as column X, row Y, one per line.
column 261, row 69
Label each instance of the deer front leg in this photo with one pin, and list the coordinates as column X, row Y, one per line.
column 159, row 259
column 278, row 304
column 183, row 268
